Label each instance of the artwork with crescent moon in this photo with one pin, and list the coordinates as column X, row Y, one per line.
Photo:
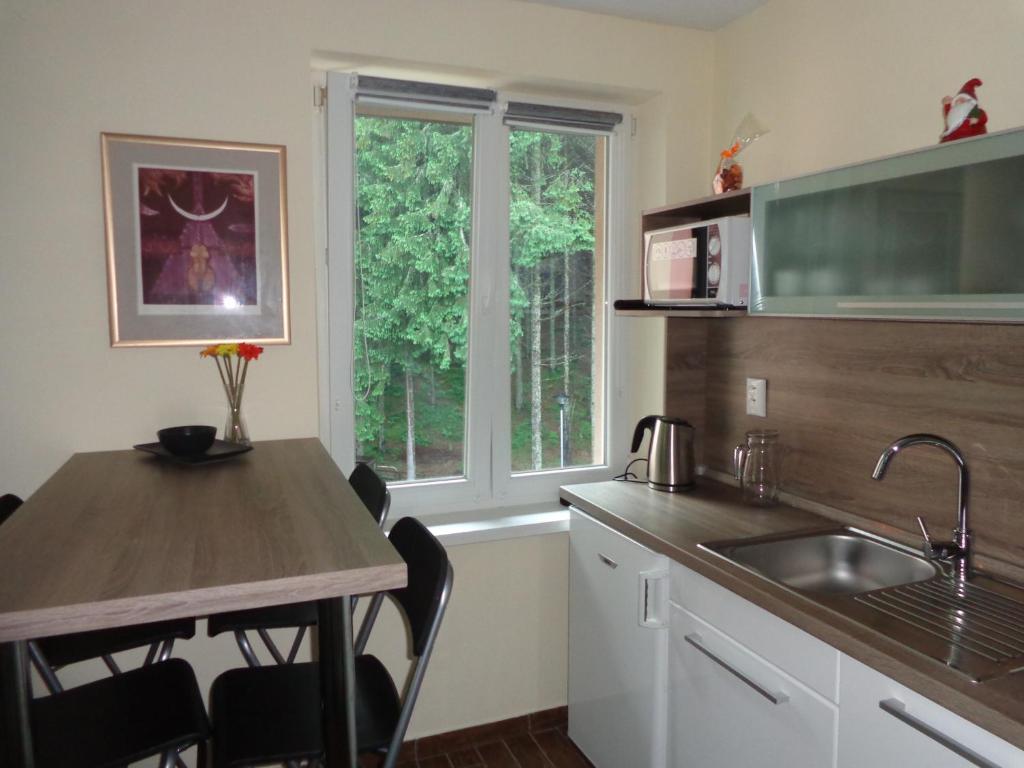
column 193, row 251
column 196, row 241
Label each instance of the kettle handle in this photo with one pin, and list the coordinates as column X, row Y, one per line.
column 638, row 434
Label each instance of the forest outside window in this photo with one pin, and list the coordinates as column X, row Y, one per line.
column 468, row 314
column 556, row 239
column 412, row 260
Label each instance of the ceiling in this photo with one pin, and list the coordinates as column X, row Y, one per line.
column 700, row 14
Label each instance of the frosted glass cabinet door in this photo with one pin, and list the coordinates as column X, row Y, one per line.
column 937, row 233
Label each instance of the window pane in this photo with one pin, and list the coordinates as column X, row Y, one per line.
column 411, row 294
column 556, row 228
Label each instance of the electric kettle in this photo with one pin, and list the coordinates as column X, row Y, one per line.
column 670, row 453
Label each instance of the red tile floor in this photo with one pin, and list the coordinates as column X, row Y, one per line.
column 531, row 741
column 546, row 749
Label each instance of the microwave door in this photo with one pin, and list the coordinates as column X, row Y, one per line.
column 674, row 266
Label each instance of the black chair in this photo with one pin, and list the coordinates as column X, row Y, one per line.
column 8, row 503
column 51, row 653
column 374, row 494
column 153, row 710
column 273, row 714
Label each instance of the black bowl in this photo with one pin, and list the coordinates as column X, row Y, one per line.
column 187, row 441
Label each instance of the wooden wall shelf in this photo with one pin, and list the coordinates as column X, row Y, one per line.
column 734, row 203
column 637, row 308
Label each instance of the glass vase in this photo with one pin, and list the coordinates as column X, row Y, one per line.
column 235, row 429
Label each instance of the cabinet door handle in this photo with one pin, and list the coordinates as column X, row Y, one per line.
column 652, row 600
column 898, row 709
column 607, row 560
column 775, row 697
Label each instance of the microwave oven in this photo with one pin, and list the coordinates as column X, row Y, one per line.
column 702, row 264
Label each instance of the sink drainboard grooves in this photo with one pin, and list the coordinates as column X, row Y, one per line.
column 965, row 616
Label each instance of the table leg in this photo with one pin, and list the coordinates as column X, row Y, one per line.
column 15, row 693
column 337, row 682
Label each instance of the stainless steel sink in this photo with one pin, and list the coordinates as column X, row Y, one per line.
column 842, row 562
column 975, row 627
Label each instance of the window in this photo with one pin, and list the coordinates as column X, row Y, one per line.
column 468, row 314
column 556, row 243
column 412, row 257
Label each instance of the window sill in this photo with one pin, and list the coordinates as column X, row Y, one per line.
column 476, row 526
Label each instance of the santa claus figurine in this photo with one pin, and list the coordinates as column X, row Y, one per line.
column 962, row 114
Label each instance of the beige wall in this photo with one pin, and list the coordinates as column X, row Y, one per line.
column 840, row 82
column 835, row 81
column 237, row 70
column 503, row 647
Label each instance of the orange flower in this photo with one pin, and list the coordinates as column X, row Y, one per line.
column 210, row 351
column 249, row 351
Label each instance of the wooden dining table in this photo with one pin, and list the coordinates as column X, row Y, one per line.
column 116, row 538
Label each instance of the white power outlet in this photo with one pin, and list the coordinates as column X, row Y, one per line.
column 757, row 397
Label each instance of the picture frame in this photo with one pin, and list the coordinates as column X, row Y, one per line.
column 196, row 241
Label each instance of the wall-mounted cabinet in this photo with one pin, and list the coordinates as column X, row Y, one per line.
column 933, row 234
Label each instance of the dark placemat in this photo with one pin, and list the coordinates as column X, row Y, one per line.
column 219, row 451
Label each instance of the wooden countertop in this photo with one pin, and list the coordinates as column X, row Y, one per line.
column 123, row 537
column 674, row 524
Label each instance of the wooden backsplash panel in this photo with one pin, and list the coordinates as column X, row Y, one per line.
column 685, row 395
column 839, row 391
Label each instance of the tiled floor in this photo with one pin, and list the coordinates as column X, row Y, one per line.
column 544, row 749
column 537, row 740
column 540, row 749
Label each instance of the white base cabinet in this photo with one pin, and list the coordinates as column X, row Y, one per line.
column 731, row 708
column 668, row 668
column 745, row 687
column 618, row 647
column 882, row 723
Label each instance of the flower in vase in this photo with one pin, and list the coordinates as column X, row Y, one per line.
column 233, row 365
column 249, row 351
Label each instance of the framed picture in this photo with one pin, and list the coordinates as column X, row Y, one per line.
column 197, row 241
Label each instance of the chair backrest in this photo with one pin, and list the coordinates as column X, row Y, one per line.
column 372, row 491
column 423, row 602
column 8, row 503
column 430, row 579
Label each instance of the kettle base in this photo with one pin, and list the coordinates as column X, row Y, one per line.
column 670, row 488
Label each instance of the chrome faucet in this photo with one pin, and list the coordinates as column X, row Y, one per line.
column 957, row 551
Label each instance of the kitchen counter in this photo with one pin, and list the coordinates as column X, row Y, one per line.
column 675, row 524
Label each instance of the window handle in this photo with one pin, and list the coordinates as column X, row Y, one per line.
column 898, row 709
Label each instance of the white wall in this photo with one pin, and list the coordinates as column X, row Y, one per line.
column 835, row 81
column 841, row 82
column 240, row 71
column 237, row 71
column 502, row 649
column 503, row 646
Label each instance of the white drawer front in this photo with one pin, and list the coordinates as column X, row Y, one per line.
column 806, row 658
column 910, row 731
column 731, row 709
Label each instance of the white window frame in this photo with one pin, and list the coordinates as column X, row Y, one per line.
column 488, row 481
